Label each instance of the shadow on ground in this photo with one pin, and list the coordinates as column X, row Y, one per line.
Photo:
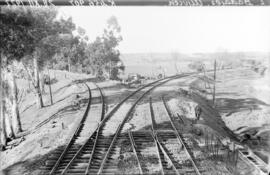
column 31, row 166
column 230, row 106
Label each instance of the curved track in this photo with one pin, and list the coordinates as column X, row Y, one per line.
column 78, row 162
column 102, row 161
column 96, row 152
column 60, row 159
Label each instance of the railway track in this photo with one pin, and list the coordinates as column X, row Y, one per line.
column 93, row 156
column 260, row 167
column 99, row 154
column 57, row 162
column 106, row 159
column 170, row 164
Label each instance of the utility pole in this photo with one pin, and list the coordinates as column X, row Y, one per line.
column 214, row 88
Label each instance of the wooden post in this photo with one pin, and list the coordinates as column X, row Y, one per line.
column 214, row 88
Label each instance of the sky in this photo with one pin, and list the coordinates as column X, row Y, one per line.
column 180, row 29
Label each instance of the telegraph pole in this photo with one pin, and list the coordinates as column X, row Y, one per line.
column 214, row 88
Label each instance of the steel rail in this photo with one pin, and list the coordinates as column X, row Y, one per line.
column 127, row 116
column 133, row 93
column 103, row 103
column 153, row 126
column 182, row 120
column 259, row 168
column 106, row 117
column 75, row 133
column 153, row 120
column 135, row 150
column 181, row 138
column 109, row 115
column 82, row 147
column 155, row 137
column 103, row 120
column 93, row 150
column 158, row 153
column 166, row 154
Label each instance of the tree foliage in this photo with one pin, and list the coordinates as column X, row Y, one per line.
column 15, row 40
column 100, row 57
column 103, row 55
column 35, row 37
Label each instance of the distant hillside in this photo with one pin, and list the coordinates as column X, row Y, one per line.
column 138, row 58
column 151, row 64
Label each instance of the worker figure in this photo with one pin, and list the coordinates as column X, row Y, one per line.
column 198, row 112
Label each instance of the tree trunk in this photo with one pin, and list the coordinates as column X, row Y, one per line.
column 3, row 129
column 50, row 88
column 3, row 135
column 8, row 118
column 42, row 85
column 69, row 64
column 37, row 87
column 16, row 123
column 110, row 65
column 6, row 102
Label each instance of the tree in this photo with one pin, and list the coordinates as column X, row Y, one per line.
column 95, row 61
column 16, row 122
column 24, row 36
column 3, row 135
column 43, row 30
column 103, row 55
column 69, row 51
column 111, row 39
column 15, row 43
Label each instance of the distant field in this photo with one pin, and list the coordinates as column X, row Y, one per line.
column 152, row 64
column 152, row 70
